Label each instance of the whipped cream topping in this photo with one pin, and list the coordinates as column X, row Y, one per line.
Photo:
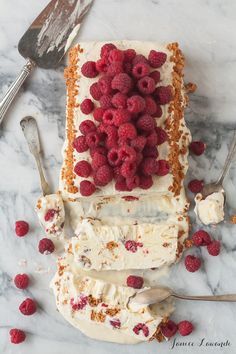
column 211, row 209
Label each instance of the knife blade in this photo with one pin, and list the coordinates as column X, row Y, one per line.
column 47, row 40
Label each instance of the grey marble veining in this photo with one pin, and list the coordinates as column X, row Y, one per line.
column 206, row 31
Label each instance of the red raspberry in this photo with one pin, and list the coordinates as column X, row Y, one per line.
column 21, row 281
column 108, row 116
column 146, row 85
column 95, row 91
column 102, row 65
column 106, row 48
column 46, row 246
column 138, row 143
column 99, row 149
column 104, row 84
column 158, row 113
column 140, row 70
column 151, row 139
column 92, row 139
column 98, row 161
column 87, row 188
column 28, row 307
column 129, row 55
column 150, row 105
column 150, row 151
column 139, row 158
column 146, row 123
column 161, row 135
column 155, row 75
column 17, row 336
column 104, row 174
column 195, row 186
column 201, row 238
column 127, row 131
column 127, row 153
column 214, row 248
column 87, row 126
column 145, row 182
column 185, row 328
column 131, row 246
column 121, row 185
column 197, row 147
column 163, row 168
column 192, row 263
column 135, row 104
column 121, row 116
column 50, row 214
column 89, row 69
column 116, row 55
column 169, row 329
column 115, row 68
column 140, row 59
column 105, row 101
column 87, row 106
column 156, row 59
column 83, row 168
column 141, row 327
column 112, row 135
column 163, row 94
column 113, row 157
column 149, row 166
column 21, row 228
column 128, row 169
column 133, row 182
column 98, row 114
column 119, row 100
column 115, row 323
column 122, row 82
column 128, row 68
column 134, row 281
column 80, row 144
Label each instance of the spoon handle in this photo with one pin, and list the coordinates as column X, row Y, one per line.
column 232, row 151
column 227, row 297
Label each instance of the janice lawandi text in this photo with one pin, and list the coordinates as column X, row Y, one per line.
column 203, row 342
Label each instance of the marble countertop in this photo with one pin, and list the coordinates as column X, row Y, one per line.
column 206, row 32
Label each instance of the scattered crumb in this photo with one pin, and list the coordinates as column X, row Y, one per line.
column 22, row 263
column 233, row 219
column 41, row 270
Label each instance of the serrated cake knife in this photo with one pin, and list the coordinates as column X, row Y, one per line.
column 47, row 40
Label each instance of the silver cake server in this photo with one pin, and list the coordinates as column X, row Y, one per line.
column 47, row 40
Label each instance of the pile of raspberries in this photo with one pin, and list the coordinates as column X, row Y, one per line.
column 123, row 143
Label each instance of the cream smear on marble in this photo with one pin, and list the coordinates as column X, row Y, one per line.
column 211, row 209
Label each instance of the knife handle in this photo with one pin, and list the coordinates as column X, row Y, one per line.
column 14, row 88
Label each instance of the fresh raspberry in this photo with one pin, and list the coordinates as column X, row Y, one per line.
column 104, row 174
column 83, row 168
column 89, row 69
column 98, row 114
column 121, row 116
column 115, row 323
column 21, row 228
column 150, row 105
column 140, row 70
column 119, row 100
column 121, row 185
column 105, row 101
column 115, row 68
column 192, row 263
column 116, row 55
column 133, row 182
column 197, row 147
column 97, row 182
column 17, row 336
column 146, row 123
column 163, row 168
column 169, row 329
column 151, row 139
column 21, row 281
column 99, row 149
column 214, row 248
column 141, row 327
column 87, row 126
column 113, row 157
column 87, row 188
column 201, row 238
column 128, row 169
column 128, row 68
column 122, row 82
column 131, row 246
column 139, row 157
column 95, row 91
column 145, row 182
column 155, row 75
column 134, row 281
column 28, row 307
column 80, row 144
column 102, row 65
column 104, row 84
column 138, row 143
column 161, row 135
column 150, row 151
column 98, row 160
column 127, row 153
column 156, row 59
column 112, row 136
column 129, row 55
column 106, row 48
column 185, row 328
column 49, row 215
column 195, row 186
column 163, row 94
column 149, row 166
column 139, row 59
column 87, row 106
column 127, row 131
column 135, row 104
column 46, row 246
column 146, row 85
column 92, row 139
column 108, row 116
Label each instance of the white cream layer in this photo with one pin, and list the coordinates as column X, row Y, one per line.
column 211, row 209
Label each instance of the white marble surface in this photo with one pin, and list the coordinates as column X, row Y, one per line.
column 206, row 32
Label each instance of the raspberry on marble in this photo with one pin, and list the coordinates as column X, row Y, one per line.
column 86, row 106
column 21, row 281
column 213, row 248
column 195, row 186
column 21, row 228
column 201, row 238
column 197, row 147
column 83, row 168
column 185, row 328
column 169, row 329
column 89, row 70
column 192, row 263
column 28, row 307
column 17, row 336
column 46, row 246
